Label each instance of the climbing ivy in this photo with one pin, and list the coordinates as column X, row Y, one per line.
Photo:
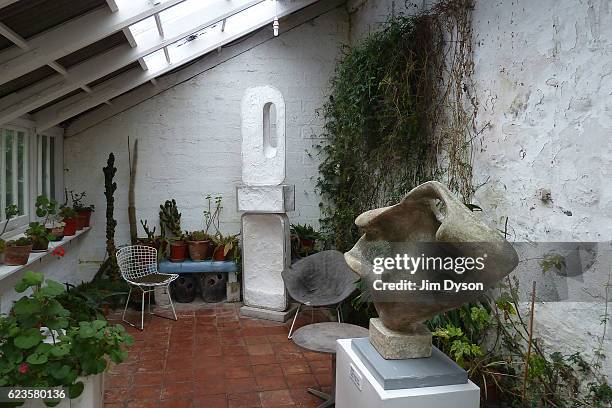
column 396, row 117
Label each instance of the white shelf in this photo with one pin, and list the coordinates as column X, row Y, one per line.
column 7, row 270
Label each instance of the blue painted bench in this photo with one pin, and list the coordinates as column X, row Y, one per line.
column 215, row 280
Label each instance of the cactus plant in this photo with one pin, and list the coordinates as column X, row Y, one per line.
column 170, row 218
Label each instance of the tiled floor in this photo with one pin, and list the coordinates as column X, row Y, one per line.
column 211, row 357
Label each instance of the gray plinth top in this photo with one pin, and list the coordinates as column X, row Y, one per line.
column 322, row 337
column 432, row 371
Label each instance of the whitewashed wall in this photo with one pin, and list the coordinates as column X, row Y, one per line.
column 189, row 136
column 544, row 80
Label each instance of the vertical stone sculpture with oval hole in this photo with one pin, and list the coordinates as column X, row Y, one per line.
column 265, row 200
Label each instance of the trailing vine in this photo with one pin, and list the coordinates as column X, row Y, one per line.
column 399, row 113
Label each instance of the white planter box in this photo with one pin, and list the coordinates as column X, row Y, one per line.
column 92, row 396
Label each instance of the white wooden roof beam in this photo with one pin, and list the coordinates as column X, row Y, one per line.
column 4, row 3
column 47, row 90
column 77, row 104
column 74, row 35
column 112, row 4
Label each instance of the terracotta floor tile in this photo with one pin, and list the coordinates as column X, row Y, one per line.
column 276, row 398
column 263, row 359
column 246, row 400
column 150, row 366
column 234, row 350
column 278, row 338
column 256, row 340
column 301, row 380
column 116, row 395
column 267, row 370
column 324, row 379
column 321, row 366
column 212, row 386
column 303, row 398
column 238, row 372
column 271, row 383
column 259, row 349
column 295, row 368
column 211, row 401
column 184, row 375
column 236, row 360
column 242, row 385
column 146, row 392
column 178, row 403
column 141, row 379
column 313, row 356
column 117, row 381
column 177, row 390
column 144, row 404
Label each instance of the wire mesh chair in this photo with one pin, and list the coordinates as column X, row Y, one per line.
column 138, row 266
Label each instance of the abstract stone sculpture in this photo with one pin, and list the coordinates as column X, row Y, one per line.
column 429, row 221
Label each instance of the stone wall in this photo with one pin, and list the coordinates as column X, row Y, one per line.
column 189, row 136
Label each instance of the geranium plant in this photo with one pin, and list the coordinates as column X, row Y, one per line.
column 42, row 346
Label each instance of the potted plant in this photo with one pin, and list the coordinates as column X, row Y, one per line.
column 45, row 346
column 17, row 251
column 151, row 240
column 47, row 210
column 83, row 211
column 306, row 238
column 38, row 235
column 225, row 247
column 68, row 216
column 170, row 222
column 178, row 249
column 199, row 245
column 10, row 212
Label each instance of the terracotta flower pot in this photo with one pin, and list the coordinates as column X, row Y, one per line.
column 178, row 251
column 57, row 232
column 219, row 254
column 17, row 255
column 80, row 222
column 198, row 250
column 40, row 244
column 70, row 227
column 87, row 215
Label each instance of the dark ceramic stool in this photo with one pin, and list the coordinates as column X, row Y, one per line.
column 321, row 337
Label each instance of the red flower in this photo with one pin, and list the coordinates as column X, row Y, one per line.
column 59, row 252
column 23, row 368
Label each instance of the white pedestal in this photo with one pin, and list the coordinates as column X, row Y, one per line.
column 356, row 387
column 92, row 396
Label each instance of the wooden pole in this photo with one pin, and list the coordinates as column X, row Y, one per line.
column 530, row 341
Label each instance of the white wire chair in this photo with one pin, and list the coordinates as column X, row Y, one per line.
column 138, row 266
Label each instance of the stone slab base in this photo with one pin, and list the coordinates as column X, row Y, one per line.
column 266, row 314
column 394, row 345
column 434, row 371
column 356, row 387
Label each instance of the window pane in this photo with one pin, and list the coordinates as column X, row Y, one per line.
column 21, row 172
column 52, row 167
column 8, row 165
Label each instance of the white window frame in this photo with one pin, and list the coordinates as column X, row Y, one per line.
column 18, row 225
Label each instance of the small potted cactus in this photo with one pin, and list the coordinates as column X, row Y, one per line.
column 170, row 222
column 225, row 247
column 199, row 245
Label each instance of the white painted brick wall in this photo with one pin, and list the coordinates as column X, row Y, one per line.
column 189, row 136
column 544, row 80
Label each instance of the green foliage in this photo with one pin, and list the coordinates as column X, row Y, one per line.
column 44, row 346
column 213, row 212
column 22, row 241
column 170, row 219
column 553, row 260
column 199, row 236
column 10, row 212
column 77, row 202
column 45, row 208
column 305, row 240
column 67, row 213
column 229, row 243
column 375, row 149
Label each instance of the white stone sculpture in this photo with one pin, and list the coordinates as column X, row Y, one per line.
column 265, row 200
